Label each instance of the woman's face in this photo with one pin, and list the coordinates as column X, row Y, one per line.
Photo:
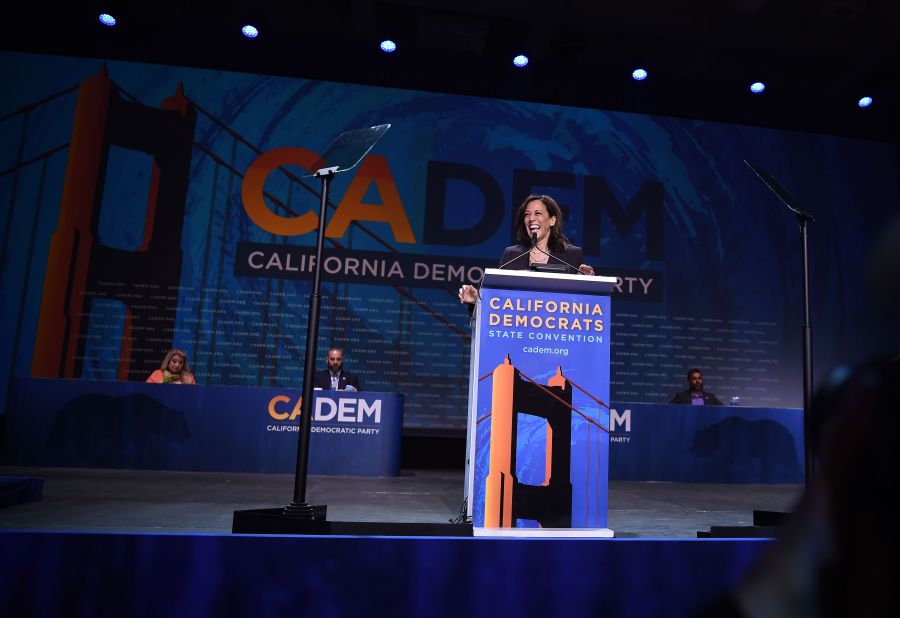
column 176, row 364
column 537, row 220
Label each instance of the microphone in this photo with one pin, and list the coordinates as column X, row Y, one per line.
column 550, row 255
column 508, row 262
column 534, row 237
column 501, row 267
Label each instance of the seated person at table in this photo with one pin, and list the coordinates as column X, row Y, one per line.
column 539, row 233
column 174, row 370
column 695, row 395
column 335, row 378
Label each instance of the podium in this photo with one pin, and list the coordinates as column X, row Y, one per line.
column 538, row 425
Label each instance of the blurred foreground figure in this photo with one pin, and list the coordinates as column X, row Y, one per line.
column 834, row 555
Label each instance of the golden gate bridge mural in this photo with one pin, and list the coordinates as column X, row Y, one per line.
column 506, row 499
column 146, row 280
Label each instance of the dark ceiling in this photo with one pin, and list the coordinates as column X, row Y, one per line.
column 817, row 57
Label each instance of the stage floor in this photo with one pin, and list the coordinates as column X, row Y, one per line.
column 200, row 502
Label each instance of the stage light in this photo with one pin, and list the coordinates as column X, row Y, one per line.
column 864, row 102
column 107, row 20
column 520, row 61
column 250, row 31
column 639, row 75
column 388, row 46
column 757, row 87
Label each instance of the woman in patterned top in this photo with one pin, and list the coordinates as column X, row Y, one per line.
column 174, row 370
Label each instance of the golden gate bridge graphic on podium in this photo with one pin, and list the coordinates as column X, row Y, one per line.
column 147, row 280
column 506, row 499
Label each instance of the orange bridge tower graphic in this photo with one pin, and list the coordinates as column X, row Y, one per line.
column 507, row 499
column 100, row 302
column 80, row 267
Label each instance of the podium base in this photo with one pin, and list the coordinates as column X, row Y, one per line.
column 766, row 525
column 739, row 532
column 274, row 521
column 544, row 533
column 770, row 518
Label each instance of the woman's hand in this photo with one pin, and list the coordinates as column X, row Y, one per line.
column 584, row 269
column 468, row 294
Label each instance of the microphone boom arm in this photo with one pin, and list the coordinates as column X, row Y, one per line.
column 557, row 258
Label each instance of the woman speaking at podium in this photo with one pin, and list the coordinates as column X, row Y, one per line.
column 540, row 240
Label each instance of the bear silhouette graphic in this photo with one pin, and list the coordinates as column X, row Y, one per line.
column 100, row 431
column 735, row 449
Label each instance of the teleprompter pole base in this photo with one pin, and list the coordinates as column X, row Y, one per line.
column 275, row 521
column 766, row 524
column 304, row 510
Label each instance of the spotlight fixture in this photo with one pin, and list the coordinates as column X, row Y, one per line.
column 757, row 87
column 250, row 31
column 520, row 61
column 107, row 20
column 639, row 75
column 864, row 102
column 388, row 46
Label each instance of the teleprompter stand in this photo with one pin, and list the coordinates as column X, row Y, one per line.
column 767, row 523
column 299, row 517
column 803, row 218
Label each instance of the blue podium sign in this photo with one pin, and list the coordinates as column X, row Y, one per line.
column 538, row 418
column 92, row 424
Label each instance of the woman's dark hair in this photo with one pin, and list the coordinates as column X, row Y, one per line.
column 557, row 240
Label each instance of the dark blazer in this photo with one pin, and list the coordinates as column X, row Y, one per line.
column 685, row 397
column 571, row 254
column 322, row 380
column 518, row 260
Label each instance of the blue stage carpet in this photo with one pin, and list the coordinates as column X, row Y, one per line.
column 89, row 574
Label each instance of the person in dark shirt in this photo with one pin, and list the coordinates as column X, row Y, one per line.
column 695, row 395
column 335, row 378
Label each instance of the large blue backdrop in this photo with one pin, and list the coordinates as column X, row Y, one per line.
column 709, row 260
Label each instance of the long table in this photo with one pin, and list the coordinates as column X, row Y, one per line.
column 108, row 424
column 705, row 444
column 87, row 423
